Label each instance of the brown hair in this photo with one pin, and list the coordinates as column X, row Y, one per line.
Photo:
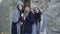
column 37, row 16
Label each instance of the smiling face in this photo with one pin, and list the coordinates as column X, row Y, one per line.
column 36, row 10
column 27, row 9
column 20, row 7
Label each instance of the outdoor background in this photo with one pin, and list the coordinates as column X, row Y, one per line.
column 51, row 8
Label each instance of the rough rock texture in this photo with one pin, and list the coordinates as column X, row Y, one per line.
column 51, row 8
column 6, row 8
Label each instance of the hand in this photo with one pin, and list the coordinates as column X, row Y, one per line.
column 22, row 14
column 21, row 23
column 40, row 32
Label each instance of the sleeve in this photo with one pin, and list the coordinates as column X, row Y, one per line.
column 31, row 18
column 14, row 17
column 42, row 23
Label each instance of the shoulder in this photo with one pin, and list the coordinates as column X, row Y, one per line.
column 30, row 12
column 42, row 16
column 15, row 12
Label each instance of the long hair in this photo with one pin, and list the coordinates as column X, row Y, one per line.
column 37, row 16
column 25, row 12
column 19, row 9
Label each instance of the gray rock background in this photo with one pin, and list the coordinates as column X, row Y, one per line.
column 51, row 8
column 6, row 8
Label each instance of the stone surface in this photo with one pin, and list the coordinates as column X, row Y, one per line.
column 6, row 8
column 51, row 8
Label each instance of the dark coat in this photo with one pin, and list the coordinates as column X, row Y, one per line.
column 28, row 23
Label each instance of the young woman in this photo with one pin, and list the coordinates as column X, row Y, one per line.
column 29, row 20
column 39, row 25
column 16, row 18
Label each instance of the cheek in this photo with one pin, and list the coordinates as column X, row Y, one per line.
column 27, row 9
column 37, row 11
column 20, row 7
